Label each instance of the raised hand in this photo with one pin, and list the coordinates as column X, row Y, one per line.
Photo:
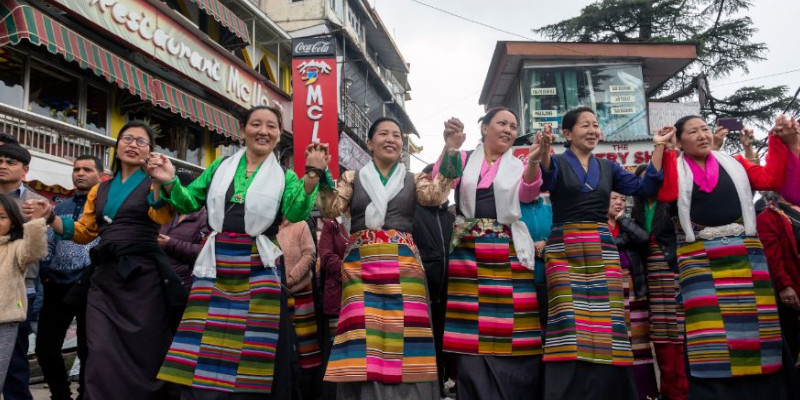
column 620, row 214
column 719, row 137
column 664, row 135
column 786, row 129
column 159, row 168
column 454, row 135
column 747, row 138
column 540, row 145
column 317, row 155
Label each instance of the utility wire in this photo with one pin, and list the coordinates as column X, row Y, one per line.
column 760, row 77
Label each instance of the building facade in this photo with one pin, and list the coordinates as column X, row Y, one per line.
column 73, row 72
column 541, row 81
column 372, row 73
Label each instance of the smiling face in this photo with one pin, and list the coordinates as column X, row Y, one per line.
column 586, row 133
column 130, row 151
column 262, row 132
column 499, row 133
column 617, row 204
column 386, row 144
column 696, row 140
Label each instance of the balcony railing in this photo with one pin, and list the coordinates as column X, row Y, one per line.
column 355, row 118
column 61, row 139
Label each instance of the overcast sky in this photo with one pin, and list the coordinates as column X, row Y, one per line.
column 450, row 57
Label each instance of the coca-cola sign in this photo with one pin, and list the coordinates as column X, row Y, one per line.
column 313, row 47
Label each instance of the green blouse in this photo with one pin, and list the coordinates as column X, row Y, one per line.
column 296, row 205
column 649, row 213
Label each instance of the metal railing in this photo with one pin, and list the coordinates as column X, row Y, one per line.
column 355, row 118
column 61, row 139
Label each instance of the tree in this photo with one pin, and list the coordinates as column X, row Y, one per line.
column 719, row 28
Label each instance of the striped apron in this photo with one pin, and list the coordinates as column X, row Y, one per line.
column 586, row 319
column 228, row 336
column 732, row 326
column 301, row 308
column 384, row 332
column 492, row 309
column 666, row 315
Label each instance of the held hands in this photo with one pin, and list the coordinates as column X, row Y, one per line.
column 665, row 136
column 538, row 248
column 454, row 135
column 317, row 155
column 159, row 168
column 33, row 209
column 541, row 145
column 163, row 240
column 787, row 129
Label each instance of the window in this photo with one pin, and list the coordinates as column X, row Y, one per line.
column 12, row 77
column 194, row 146
column 96, row 110
column 54, row 94
column 615, row 92
column 355, row 23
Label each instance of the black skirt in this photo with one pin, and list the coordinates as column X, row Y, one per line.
column 499, row 378
column 567, row 380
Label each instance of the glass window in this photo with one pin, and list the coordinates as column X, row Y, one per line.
column 53, row 94
column 615, row 92
column 194, row 146
column 12, row 74
column 97, row 110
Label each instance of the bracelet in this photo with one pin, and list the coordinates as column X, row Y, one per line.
column 319, row 171
column 753, row 159
column 51, row 217
column 660, row 144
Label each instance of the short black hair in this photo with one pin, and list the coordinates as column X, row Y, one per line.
column 151, row 136
column 6, row 138
column 374, row 126
column 569, row 119
column 679, row 124
column 14, row 214
column 640, row 169
column 97, row 163
column 246, row 116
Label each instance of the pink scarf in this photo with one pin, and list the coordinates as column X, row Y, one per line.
column 706, row 179
column 791, row 189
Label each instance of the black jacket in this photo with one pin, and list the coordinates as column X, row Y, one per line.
column 663, row 229
column 433, row 230
column 633, row 240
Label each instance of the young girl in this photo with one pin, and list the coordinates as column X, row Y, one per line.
column 20, row 245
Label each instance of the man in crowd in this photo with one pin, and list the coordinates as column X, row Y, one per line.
column 14, row 160
column 60, row 272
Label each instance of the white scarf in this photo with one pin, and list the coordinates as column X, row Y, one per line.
column 260, row 209
column 740, row 181
column 380, row 195
column 506, row 199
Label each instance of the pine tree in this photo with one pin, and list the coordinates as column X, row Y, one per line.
column 722, row 32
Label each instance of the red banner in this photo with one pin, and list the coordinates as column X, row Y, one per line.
column 315, row 100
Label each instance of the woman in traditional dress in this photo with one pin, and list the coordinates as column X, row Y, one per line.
column 236, row 339
column 134, row 297
column 733, row 338
column 587, row 353
column 492, row 317
column 631, row 240
column 384, row 345
column 666, row 314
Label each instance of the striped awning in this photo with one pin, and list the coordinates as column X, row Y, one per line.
column 225, row 16
column 26, row 22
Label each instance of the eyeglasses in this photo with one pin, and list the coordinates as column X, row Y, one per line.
column 141, row 142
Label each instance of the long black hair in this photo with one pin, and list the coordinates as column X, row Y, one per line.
column 151, row 137
column 14, row 214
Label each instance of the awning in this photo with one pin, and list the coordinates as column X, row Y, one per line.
column 224, row 16
column 26, row 22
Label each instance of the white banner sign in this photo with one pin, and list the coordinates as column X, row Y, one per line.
column 666, row 114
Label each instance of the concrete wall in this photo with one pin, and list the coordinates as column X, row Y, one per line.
column 292, row 16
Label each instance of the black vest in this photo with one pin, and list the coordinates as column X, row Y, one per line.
column 571, row 204
column 132, row 222
column 399, row 212
column 485, row 206
column 233, row 221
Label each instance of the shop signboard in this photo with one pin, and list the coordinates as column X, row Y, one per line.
column 150, row 30
column 314, row 99
column 666, row 114
column 627, row 154
column 351, row 155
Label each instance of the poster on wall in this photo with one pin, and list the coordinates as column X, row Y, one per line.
column 315, row 98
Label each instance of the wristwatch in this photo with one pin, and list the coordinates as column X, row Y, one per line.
column 312, row 173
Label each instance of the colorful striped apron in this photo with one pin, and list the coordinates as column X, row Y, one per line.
column 732, row 326
column 492, row 308
column 228, row 336
column 586, row 319
column 637, row 315
column 301, row 308
column 384, row 333
column 666, row 315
